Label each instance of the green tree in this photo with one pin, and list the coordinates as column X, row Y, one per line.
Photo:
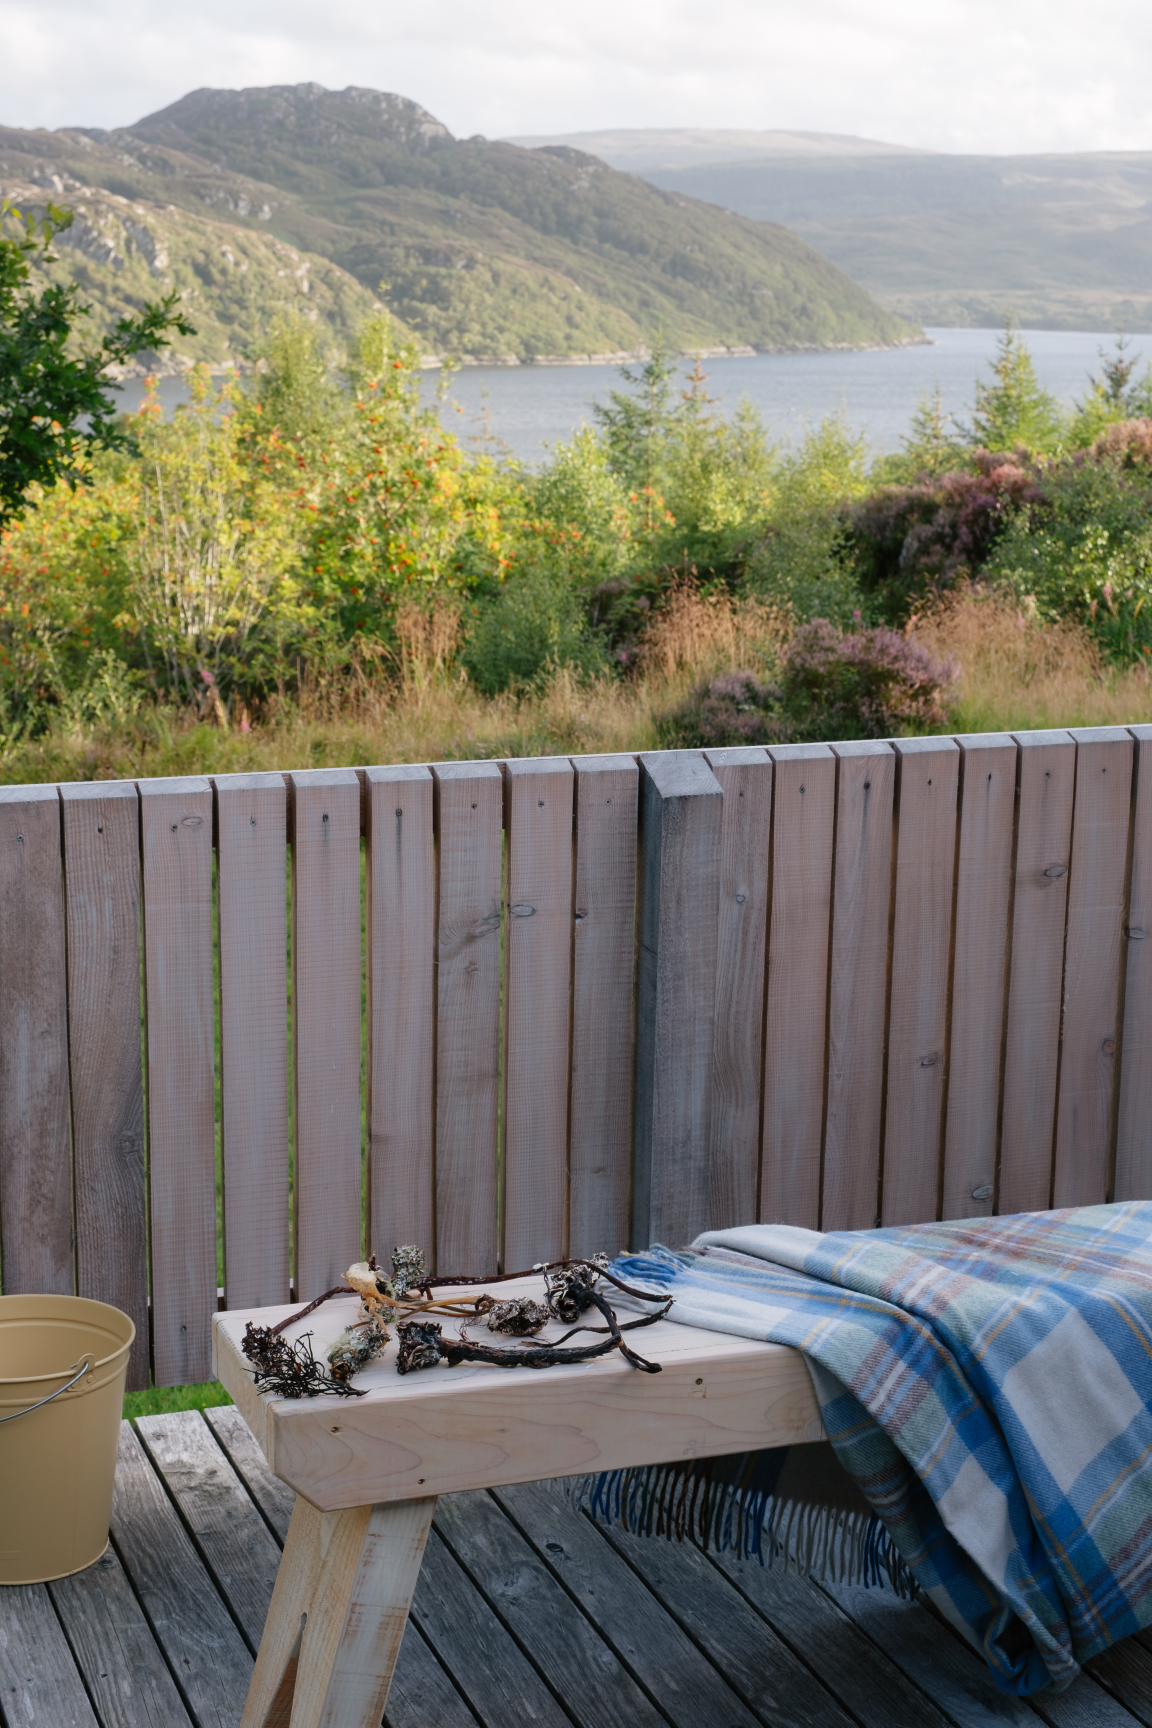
column 55, row 406
column 1013, row 409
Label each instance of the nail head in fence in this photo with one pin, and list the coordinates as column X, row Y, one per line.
column 681, row 820
column 1046, row 774
column 803, row 821
column 325, row 804
column 35, row 1143
column 401, row 925
column 983, row 890
column 176, row 855
column 538, row 817
column 922, row 930
column 858, row 983
column 102, row 911
column 1092, row 965
column 745, row 777
column 603, row 1004
column 468, row 803
column 1134, row 1126
column 252, row 899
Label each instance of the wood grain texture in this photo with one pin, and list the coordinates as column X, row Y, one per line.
column 1134, row 1106
column 848, row 1663
column 102, row 909
column 273, row 1497
column 469, row 839
column 401, row 937
column 661, row 1656
column 980, row 970
column 325, row 805
column 35, row 1142
column 803, row 823
column 745, row 777
column 176, row 854
column 603, row 1004
column 122, row 1665
column 479, row 1427
column 561, row 1642
column 39, row 1681
column 229, row 1532
column 681, row 825
column 1097, row 881
column 205, row 1652
column 918, row 1017
column 754, row 1660
column 1046, row 781
column 538, row 817
column 252, row 865
column 858, row 985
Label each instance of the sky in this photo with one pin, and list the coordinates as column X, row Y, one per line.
column 967, row 75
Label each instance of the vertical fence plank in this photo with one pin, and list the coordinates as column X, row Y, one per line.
column 745, row 776
column 1096, row 896
column 102, row 911
column 603, row 1004
column 325, row 806
column 1046, row 777
column 537, row 1004
column 252, row 852
column 803, row 823
column 681, row 822
column 983, row 889
column 468, row 807
column 35, row 1144
column 401, row 926
column 1134, row 1126
column 858, row 984
column 921, row 950
column 176, row 858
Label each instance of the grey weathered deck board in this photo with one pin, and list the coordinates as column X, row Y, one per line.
column 662, row 1657
column 755, row 1661
column 574, row 1659
column 193, row 1626
column 495, row 1677
column 120, row 1661
column 847, row 1661
column 1126, row 1670
column 423, row 1695
column 274, row 1498
column 38, row 1678
column 230, row 1533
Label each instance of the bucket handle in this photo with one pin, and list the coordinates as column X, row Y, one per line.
column 84, row 1366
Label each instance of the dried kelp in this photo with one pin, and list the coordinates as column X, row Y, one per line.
column 291, row 1370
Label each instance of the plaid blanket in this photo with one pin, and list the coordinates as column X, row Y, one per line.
column 988, row 1385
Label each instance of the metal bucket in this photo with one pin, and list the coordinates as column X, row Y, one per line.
column 63, row 1362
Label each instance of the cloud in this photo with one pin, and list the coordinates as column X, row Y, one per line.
column 953, row 75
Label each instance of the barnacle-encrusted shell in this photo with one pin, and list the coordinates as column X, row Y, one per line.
column 520, row 1317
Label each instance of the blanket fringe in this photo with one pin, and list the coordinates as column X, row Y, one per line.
column 737, row 1510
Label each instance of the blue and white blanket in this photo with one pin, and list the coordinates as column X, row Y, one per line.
column 988, row 1385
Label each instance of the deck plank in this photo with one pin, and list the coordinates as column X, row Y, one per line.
column 498, row 1681
column 566, row 1647
column 122, row 1665
column 39, row 1681
column 191, row 1623
column 758, row 1665
column 847, row 1661
column 274, row 1498
column 233, row 1539
column 662, row 1657
column 1126, row 1670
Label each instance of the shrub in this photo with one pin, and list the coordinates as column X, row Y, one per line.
column 533, row 624
column 736, row 708
column 863, row 684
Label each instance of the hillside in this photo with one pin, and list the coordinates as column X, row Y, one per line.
column 481, row 249
column 1063, row 241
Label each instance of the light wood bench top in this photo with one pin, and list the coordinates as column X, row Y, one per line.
column 478, row 1426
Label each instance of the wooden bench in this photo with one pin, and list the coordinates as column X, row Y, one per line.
column 367, row 1473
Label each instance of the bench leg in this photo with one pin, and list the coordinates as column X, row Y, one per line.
column 337, row 1616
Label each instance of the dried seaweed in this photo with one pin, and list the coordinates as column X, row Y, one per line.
column 519, row 1318
column 291, row 1370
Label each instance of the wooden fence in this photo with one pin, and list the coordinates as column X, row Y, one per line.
column 512, row 1010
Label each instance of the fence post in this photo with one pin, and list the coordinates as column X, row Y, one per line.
column 681, row 810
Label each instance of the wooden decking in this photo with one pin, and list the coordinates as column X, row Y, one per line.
column 526, row 1616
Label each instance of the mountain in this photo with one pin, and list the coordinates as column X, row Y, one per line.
column 481, row 249
column 1061, row 241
